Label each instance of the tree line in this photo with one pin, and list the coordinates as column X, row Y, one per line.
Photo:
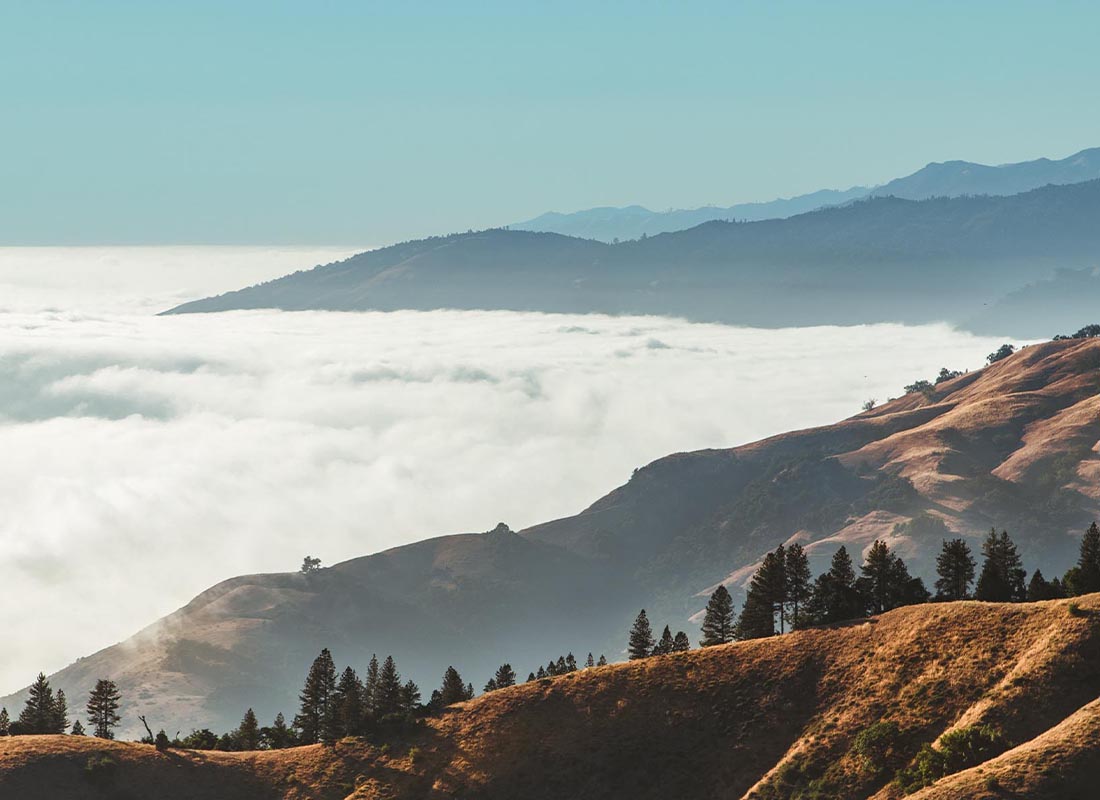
column 48, row 712
column 781, row 595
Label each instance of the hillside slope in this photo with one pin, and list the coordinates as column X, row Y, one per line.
column 883, row 259
column 776, row 718
column 1013, row 445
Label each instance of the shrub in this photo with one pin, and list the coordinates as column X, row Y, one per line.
column 99, row 769
column 414, row 755
column 958, row 750
column 1075, row 610
column 875, row 746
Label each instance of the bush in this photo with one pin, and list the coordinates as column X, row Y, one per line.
column 958, row 750
column 1001, row 353
column 875, row 746
column 1075, row 610
column 414, row 755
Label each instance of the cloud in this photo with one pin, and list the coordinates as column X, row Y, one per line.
column 145, row 458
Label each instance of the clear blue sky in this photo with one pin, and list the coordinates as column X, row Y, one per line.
column 359, row 122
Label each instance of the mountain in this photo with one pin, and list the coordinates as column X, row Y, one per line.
column 832, row 713
column 1063, row 303
column 883, row 259
column 1013, row 445
column 947, row 179
column 608, row 223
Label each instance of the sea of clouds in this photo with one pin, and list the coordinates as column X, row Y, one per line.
column 144, row 458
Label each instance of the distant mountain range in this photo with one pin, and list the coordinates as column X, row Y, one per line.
column 1012, row 445
column 946, row 179
column 879, row 259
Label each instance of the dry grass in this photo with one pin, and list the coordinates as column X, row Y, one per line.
column 766, row 719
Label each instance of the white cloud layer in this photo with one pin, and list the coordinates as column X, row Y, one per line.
column 145, row 458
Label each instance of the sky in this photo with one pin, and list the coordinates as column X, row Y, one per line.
column 348, row 122
column 145, row 458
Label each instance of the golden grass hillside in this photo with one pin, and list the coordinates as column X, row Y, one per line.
column 775, row 718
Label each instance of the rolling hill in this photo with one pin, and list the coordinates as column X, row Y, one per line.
column 828, row 713
column 1013, row 445
column 938, row 179
column 882, row 259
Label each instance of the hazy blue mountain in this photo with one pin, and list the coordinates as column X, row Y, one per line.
column 879, row 259
column 947, row 179
column 608, row 223
column 1063, row 303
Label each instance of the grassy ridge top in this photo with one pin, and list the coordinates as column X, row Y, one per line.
column 778, row 718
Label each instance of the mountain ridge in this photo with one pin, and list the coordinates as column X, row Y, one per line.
column 935, row 179
column 880, row 259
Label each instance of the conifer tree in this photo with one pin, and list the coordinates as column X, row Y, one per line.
column 5, row 722
column 799, row 586
column 757, row 618
column 505, row 676
column 835, row 597
column 560, row 667
column 39, row 713
column 469, row 691
column 277, row 736
column 453, row 689
column 1084, row 578
column 718, row 618
column 602, row 661
column 530, row 677
column 773, row 577
column 316, row 718
column 878, row 573
column 641, row 637
column 248, row 733
column 955, row 571
column 1002, row 577
column 103, row 705
column 388, row 698
column 541, row 673
column 680, row 643
column 664, row 644
column 370, row 687
column 60, row 719
column 589, row 662
column 1038, row 588
column 410, row 697
column 490, row 686
column 570, row 663
column 78, row 729
column 350, row 710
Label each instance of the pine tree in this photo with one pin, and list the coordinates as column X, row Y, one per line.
column 389, row 690
column 570, row 663
column 59, row 722
column 469, row 691
column 774, row 580
column 1002, row 577
column 602, row 661
column 799, row 586
column 370, row 687
column 490, row 686
column 78, row 729
column 350, row 710
column 530, row 677
column 278, row 735
column 955, row 571
column 718, row 618
column 834, row 596
column 641, row 637
column 316, row 718
column 410, row 697
column 5, row 722
column 664, row 644
column 680, row 643
column 885, row 579
column 248, row 733
column 757, row 618
column 103, row 704
column 1038, row 588
column 589, row 662
column 505, row 676
column 1084, row 578
column 560, row 667
column 39, row 714
column 541, row 673
column 453, row 689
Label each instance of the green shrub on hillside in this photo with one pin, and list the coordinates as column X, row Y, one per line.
column 958, row 750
